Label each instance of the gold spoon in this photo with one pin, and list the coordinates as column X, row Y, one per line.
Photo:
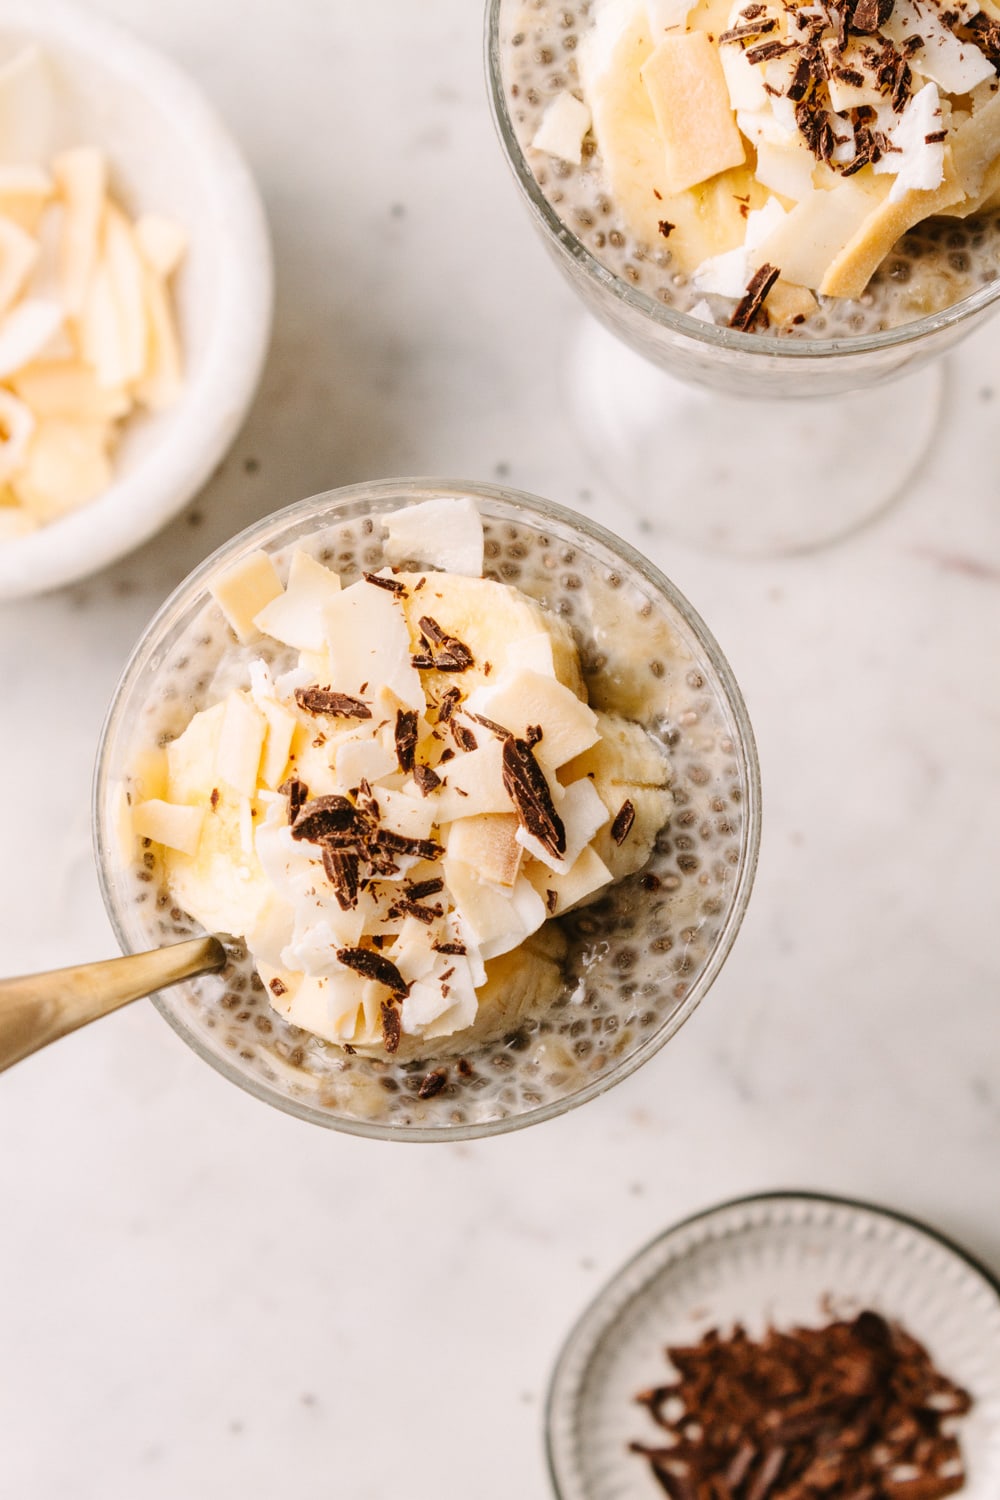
column 40, row 1008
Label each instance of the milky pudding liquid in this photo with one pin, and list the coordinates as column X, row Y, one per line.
column 635, row 957
column 933, row 266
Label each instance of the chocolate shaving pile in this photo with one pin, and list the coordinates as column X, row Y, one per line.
column 816, row 56
column 527, row 788
column 852, row 1411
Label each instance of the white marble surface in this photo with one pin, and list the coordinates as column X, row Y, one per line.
column 203, row 1297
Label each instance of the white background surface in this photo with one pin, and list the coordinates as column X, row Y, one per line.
column 201, row 1297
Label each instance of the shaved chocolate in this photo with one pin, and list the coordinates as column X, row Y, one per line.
column 934, row 137
column 533, row 734
column 869, row 16
column 463, row 737
column 421, row 888
column 342, row 868
column 750, row 28
column 392, row 584
column 494, row 728
column 449, row 653
column 392, row 1028
column 297, row 793
column 449, row 702
column 401, row 843
column 426, row 779
column 768, row 51
column 374, row 966
column 423, row 661
column 425, row 914
column 527, row 788
column 278, row 986
column 666, row 228
column 323, row 815
column 456, row 947
column 985, row 33
column 551, row 901
column 317, row 700
column 801, row 80
column 624, row 819
column 854, row 1410
column 214, row 798
column 753, row 300
column 406, row 737
column 817, row 131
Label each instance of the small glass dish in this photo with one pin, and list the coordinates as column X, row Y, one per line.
column 780, row 1259
column 639, row 961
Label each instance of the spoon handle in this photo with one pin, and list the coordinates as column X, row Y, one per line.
column 39, row 1008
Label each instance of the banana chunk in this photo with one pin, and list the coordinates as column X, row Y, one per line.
column 628, row 771
column 687, row 90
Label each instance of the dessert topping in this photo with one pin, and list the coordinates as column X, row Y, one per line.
column 529, row 791
column 856, row 1408
column 400, row 847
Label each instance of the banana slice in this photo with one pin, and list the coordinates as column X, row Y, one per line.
column 706, row 220
column 221, row 882
column 626, row 767
column 489, row 618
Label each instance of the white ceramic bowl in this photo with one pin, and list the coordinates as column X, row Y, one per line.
column 169, row 153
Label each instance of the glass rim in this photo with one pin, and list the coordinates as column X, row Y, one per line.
column 760, row 344
column 325, row 506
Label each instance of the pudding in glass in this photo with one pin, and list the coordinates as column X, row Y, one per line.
column 446, row 920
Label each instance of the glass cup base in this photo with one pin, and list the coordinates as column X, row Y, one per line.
column 735, row 475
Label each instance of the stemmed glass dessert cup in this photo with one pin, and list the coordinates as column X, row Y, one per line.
column 637, row 962
column 746, row 443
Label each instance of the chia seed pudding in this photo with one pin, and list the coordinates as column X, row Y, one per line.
column 638, row 959
column 936, row 264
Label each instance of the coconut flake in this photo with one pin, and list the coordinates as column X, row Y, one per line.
column 25, row 331
column 369, row 644
column 727, row 275
column 445, row 534
column 563, row 127
column 954, row 65
column 918, row 162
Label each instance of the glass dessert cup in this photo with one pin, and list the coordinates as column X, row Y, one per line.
column 729, row 440
column 639, row 960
